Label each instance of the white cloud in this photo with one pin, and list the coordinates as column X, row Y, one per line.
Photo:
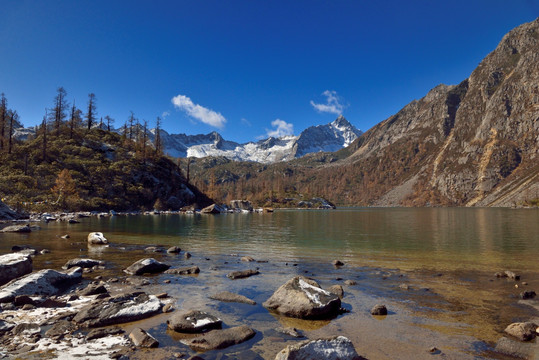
column 205, row 115
column 246, row 122
column 333, row 103
column 165, row 114
column 281, row 128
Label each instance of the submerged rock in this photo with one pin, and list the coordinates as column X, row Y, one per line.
column 17, row 229
column 337, row 290
column 336, row 348
column 241, row 274
column 220, row 339
column 528, row 294
column 97, row 238
column 231, row 297
column 83, row 263
column 184, row 271
column 193, row 321
column 13, row 266
column 146, row 266
column 379, row 310
column 44, row 282
column 119, row 309
column 516, row 349
column 174, row 250
column 303, row 298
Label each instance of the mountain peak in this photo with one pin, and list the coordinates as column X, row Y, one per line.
column 341, row 122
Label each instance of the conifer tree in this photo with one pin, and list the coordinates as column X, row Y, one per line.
column 109, row 121
column 3, row 120
column 91, row 114
column 75, row 119
column 12, row 118
column 58, row 114
column 44, row 131
column 131, row 123
column 157, row 137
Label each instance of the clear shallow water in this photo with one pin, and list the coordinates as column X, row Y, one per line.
column 453, row 252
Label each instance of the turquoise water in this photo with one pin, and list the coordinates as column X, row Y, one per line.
column 452, row 252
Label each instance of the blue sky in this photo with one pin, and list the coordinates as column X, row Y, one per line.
column 244, row 68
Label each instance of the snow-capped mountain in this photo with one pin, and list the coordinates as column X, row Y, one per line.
column 331, row 137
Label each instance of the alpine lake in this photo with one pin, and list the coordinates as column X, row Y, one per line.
column 432, row 267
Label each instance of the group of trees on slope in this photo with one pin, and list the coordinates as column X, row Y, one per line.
column 75, row 162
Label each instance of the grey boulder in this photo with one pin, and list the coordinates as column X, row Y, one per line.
column 524, row 331
column 193, row 321
column 13, row 266
column 97, row 238
column 119, row 309
column 303, row 298
column 146, row 266
column 44, row 282
column 141, row 338
column 336, row 348
column 83, row 263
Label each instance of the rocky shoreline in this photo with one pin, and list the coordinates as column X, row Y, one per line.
column 83, row 311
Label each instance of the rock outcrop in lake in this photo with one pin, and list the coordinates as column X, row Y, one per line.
column 44, row 282
column 336, row 348
column 303, row 298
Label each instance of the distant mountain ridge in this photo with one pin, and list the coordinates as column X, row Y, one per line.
column 321, row 138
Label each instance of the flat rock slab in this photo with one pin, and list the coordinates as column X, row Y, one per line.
column 83, row 263
column 13, row 266
column 97, row 238
column 220, row 339
column 191, row 270
column 17, row 229
column 337, row 348
column 141, row 338
column 303, row 298
column 193, row 321
column 45, row 282
column 227, row 296
column 119, row 309
column 242, row 274
column 146, row 266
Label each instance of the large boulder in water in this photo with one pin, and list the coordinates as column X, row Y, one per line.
column 336, row 348
column 146, row 266
column 44, row 282
column 13, row 266
column 193, row 321
column 120, row 309
column 303, row 298
column 97, row 238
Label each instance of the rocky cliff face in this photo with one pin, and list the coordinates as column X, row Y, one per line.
column 473, row 144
